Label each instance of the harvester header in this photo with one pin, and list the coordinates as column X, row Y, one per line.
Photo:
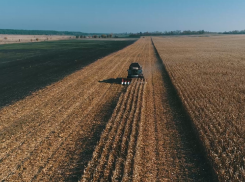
column 134, row 71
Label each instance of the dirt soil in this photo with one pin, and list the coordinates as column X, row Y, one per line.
column 89, row 126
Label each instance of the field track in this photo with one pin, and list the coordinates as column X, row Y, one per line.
column 88, row 126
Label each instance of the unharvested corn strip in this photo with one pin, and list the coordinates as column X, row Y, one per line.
column 104, row 157
column 104, row 141
column 128, row 166
column 117, row 143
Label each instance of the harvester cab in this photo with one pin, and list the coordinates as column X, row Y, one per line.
column 134, row 71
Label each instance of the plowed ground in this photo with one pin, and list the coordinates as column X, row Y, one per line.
column 88, row 127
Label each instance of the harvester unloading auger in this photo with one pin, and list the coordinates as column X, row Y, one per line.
column 134, row 71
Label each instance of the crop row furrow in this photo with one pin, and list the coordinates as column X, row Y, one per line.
column 129, row 161
column 104, row 162
column 118, row 141
column 113, row 123
column 118, row 131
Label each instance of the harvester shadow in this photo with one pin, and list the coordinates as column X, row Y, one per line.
column 112, row 81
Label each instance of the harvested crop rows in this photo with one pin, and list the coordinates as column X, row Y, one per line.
column 28, row 67
column 208, row 73
column 118, row 138
column 155, row 143
column 52, row 134
column 41, row 134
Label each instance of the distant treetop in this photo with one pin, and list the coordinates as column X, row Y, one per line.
column 235, row 32
column 175, row 32
column 39, row 32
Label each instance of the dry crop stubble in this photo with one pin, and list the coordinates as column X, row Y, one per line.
column 114, row 142
column 142, row 141
column 95, row 159
column 209, row 76
column 73, row 93
column 104, row 74
column 145, row 160
column 118, row 139
column 125, row 68
column 103, row 161
column 117, row 175
column 153, row 145
column 59, row 86
column 107, row 85
column 47, row 104
column 129, row 162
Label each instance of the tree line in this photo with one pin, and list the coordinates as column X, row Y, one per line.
column 235, row 32
column 53, row 32
column 175, row 32
column 97, row 36
column 37, row 32
column 101, row 35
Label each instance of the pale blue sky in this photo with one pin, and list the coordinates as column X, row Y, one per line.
column 116, row 16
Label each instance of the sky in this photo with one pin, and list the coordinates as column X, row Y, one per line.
column 117, row 16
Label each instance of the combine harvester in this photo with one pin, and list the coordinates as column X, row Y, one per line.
column 134, row 71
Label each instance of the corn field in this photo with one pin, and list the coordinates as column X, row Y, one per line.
column 183, row 122
column 208, row 74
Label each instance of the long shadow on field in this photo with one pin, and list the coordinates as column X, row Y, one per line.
column 112, row 81
column 189, row 137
